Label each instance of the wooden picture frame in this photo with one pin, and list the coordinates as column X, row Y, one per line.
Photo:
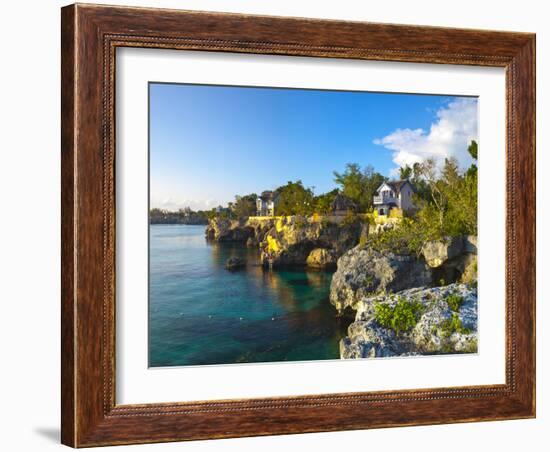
column 90, row 36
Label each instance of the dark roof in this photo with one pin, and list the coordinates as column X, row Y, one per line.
column 269, row 195
column 342, row 202
column 397, row 185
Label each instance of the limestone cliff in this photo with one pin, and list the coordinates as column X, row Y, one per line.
column 308, row 241
column 249, row 230
column 363, row 271
column 292, row 240
column 399, row 312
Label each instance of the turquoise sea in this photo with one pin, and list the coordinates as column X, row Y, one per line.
column 200, row 313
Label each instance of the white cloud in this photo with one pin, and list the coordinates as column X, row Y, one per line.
column 449, row 136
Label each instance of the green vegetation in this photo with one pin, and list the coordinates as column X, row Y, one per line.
column 323, row 203
column 455, row 301
column 350, row 218
column 359, row 186
column 407, row 237
column 295, row 199
column 446, row 203
column 451, row 208
column 181, row 216
column 445, row 200
column 244, row 206
column 453, row 325
column 405, row 172
column 401, row 318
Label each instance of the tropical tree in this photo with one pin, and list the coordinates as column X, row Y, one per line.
column 244, row 206
column 358, row 185
column 472, row 150
column 352, row 182
column 295, row 199
column 373, row 180
column 427, row 171
column 462, row 194
column 323, row 203
column 405, row 172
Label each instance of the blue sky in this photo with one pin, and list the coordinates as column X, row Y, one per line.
column 209, row 143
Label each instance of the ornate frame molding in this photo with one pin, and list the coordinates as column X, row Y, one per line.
column 90, row 36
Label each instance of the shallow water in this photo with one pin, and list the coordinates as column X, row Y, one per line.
column 200, row 313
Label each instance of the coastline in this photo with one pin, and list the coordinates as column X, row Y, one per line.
column 201, row 313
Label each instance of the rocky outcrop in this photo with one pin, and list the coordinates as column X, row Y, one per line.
column 235, row 263
column 260, row 226
column 321, row 258
column 363, row 271
column 251, row 242
column 249, row 230
column 449, row 258
column 292, row 240
column 446, row 322
column 226, row 230
column 437, row 252
column 469, row 274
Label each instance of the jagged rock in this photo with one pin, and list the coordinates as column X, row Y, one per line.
column 260, row 226
column 367, row 339
column 235, row 263
column 293, row 238
column 432, row 333
column 437, row 252
column 363, row 271
column 227, row 230
column 321, row 258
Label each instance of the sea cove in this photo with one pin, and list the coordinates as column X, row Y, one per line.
column 303, row 224
column 201, row 313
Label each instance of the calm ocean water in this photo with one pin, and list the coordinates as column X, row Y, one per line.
column 200, row 313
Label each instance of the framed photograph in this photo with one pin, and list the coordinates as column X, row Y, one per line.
column 281, row 225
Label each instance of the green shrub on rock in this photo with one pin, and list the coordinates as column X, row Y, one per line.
column 400, row 318
column 454, row 301
column 453, row 325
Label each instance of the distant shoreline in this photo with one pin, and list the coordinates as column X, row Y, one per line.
column 176, row 222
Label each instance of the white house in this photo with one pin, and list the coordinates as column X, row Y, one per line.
column 266, row 203
column 393, row 194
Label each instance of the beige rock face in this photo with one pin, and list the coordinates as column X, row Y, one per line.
column 226, row 230
column 321, row 258
column 292, row 240
column 469, row 275
column 363, row 271
column 438, row 252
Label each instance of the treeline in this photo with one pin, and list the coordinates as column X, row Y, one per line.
column 356, row 184
column 445, row 200
column 181, row 216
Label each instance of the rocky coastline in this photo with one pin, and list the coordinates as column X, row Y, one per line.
column 440, row 326
column 404, row 304
column 290, row 241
